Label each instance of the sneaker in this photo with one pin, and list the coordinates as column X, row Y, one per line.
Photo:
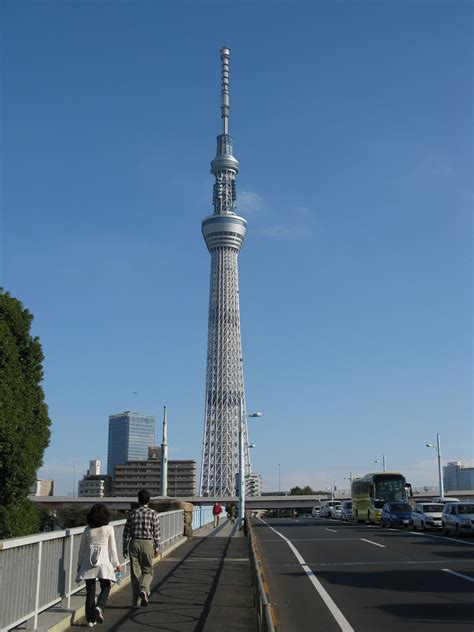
column 99, row 615
column 90, row 624
column 144, row 598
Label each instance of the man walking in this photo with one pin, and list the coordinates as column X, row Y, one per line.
column 216, row 512
column 141, row 540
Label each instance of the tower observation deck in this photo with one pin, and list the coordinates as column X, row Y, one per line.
column 224, row 232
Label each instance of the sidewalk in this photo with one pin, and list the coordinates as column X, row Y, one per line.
column 205, row 585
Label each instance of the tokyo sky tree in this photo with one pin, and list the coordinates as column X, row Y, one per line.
column 224, row 232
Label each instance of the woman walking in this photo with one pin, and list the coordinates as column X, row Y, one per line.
column 97, row 560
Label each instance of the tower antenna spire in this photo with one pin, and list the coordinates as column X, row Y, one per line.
column 225, row 104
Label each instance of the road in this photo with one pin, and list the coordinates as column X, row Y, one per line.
column 329, row 576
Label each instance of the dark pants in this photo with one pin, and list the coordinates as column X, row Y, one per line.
column 90, row 597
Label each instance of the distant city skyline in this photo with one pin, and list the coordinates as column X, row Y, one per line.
column 353, row 127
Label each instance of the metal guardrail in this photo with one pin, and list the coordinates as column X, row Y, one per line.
column 264, row 607
column 38, row 571
column 201, row 517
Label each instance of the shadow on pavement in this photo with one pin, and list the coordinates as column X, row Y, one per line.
column 430, row 613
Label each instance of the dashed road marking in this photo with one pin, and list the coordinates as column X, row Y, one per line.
column 382, row 546
column 469, row 579
column 333, row 609
column 333, row 530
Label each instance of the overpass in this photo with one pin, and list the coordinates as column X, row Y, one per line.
column 252, row 503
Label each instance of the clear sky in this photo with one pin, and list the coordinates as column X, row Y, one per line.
column 352, row 123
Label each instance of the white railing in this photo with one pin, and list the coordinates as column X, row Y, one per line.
column 201, row 517
column 38, row 571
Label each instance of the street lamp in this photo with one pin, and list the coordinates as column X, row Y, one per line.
column 241, row 462
column 384, row 467
column 437, row 447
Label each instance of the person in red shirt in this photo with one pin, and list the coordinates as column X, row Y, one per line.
column 216, row 512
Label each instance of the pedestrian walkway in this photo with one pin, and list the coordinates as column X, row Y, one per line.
column 205, row 585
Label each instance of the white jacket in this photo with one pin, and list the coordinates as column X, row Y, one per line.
column 97, row 554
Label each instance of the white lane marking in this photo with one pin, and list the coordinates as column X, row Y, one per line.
column 443, row 537
column 333, row 609
column 309, row 539
column 333, row 530
column 469, row 579
column 433, row 535
column 382, row 563
column 382, row 546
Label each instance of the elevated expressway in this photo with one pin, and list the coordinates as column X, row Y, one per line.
column 251, row 502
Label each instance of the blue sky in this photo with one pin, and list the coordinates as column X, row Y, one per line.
column 352, row 123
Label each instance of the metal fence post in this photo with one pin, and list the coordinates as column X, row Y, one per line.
column 38, row 584
column 69, row 579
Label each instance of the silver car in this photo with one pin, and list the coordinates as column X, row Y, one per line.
column 427, row 516
column 336, row 511
column 346, row 511
column 458, row 518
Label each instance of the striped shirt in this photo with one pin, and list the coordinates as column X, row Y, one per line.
column 142, row 524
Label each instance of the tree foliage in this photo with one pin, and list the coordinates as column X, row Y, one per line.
column 302, row 491
column 24, row 420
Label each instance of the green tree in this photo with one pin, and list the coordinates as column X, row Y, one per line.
column 24, row 420
column 302, row 491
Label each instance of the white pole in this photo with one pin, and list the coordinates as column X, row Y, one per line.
column 383, row 463
column 164, row 459
column 241, row 467
column 440, row 472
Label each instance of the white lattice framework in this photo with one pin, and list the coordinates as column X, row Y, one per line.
column 224, row 232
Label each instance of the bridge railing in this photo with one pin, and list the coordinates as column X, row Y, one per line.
column 201, row 517
column 38, row 571
column 264, row 607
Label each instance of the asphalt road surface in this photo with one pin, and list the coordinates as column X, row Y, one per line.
column 327, row 575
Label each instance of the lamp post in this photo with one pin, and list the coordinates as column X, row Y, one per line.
column 279, row 479
column 437, row 447
column 242, row 464
column 384, row 467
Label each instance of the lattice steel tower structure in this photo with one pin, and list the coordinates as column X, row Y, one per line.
column 224, row 232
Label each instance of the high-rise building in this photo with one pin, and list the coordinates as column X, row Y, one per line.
column 224, row 232
column 130, row 434
column 94, row 483
column 458, row 477
column 253, row 485
column 133, row 476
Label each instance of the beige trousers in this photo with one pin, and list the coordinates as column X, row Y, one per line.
column 141, row 563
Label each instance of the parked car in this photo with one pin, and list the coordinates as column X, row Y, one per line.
column 427, row 516
column 325, row 511
column 396, row 514
column 315, row 511
column 458, row 518
column 336, row 511
column 446, row 499
column 346, row 510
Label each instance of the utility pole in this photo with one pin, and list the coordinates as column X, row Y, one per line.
column 164, row 458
